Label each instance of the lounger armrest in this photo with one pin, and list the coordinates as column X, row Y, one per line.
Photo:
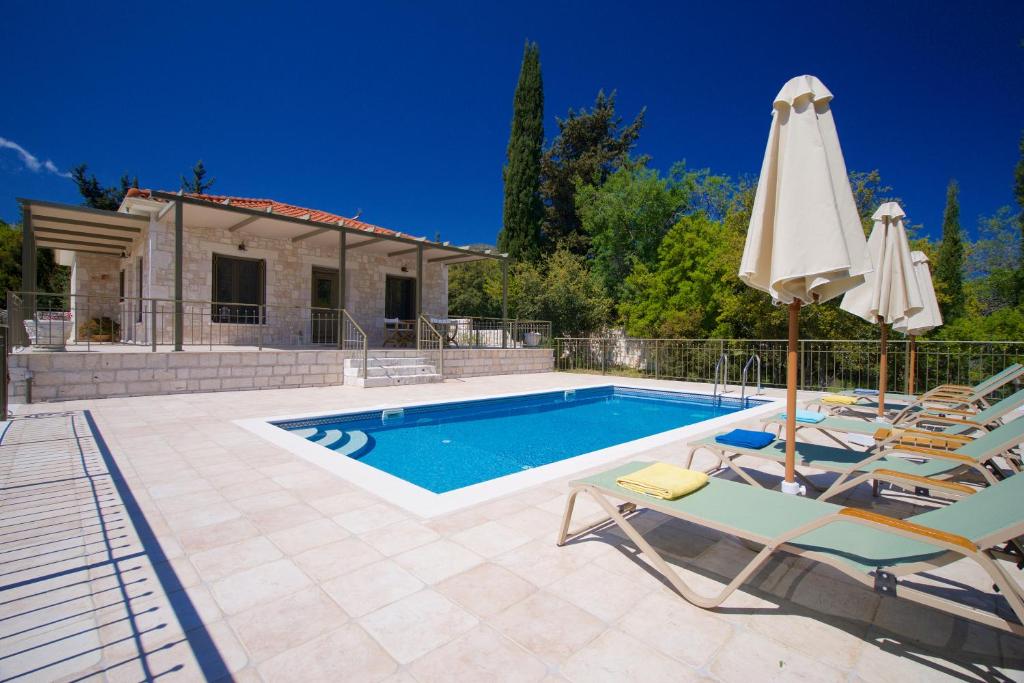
column 907, row 528
column 936, row 435
column 918, row 480
column 930, row 452
column 955, row 411
column 949, row 420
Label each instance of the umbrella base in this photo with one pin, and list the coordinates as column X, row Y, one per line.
column 794, row 488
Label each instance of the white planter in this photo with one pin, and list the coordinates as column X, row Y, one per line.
column 49, row 334
column 531, row 338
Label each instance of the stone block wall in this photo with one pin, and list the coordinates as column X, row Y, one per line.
column 83, row 375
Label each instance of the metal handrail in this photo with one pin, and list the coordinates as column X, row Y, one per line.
column 362, row 337
column 743, row 377
column 724, row 357
column 425, row 324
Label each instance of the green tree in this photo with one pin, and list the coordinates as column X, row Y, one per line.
column 561, row 289
column 625, row 220
column 474, row 289
column 197, row 183
column 993, row 263
column 1018, row 193
column 949, row 276
column 589, row 147
column 523, row 209
column 95, row 194
column 50, row 277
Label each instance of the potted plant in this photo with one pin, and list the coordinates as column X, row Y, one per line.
column 102, row 329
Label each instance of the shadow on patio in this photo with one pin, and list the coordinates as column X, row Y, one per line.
column 85, row 587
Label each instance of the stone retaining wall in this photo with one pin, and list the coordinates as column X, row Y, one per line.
column 83, row 375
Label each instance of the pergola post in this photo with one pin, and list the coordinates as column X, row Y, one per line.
column 504, row 303
column 29, row 280
column 419, row 291
column 179, row 260
column 28, row 252
column 342, row 256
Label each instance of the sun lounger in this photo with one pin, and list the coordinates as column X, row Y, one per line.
column 856, row 467
column 950, row 398
column 875, row 550
column 950, row 429
column 1007, row 374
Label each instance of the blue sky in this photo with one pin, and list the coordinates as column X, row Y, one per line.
column 403, row 109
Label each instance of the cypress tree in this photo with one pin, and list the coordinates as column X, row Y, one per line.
column 523, row 211
column 1018, row 193
column 949, row 268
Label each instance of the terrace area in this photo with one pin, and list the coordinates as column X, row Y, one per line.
column 154, row 536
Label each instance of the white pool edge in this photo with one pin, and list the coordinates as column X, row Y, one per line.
column 427, row 504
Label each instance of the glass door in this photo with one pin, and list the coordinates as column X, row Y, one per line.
column 324, row 306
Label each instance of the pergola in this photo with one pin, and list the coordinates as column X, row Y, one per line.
column 95, row 231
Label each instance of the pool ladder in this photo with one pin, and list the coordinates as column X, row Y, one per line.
column 722, row 359
column 743, row 380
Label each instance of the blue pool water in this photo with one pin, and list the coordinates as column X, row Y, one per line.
column 448, row 446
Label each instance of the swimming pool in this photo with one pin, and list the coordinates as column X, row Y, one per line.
column 436, row 457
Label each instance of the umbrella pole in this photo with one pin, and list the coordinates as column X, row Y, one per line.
column 883, row 367
column 790, row 485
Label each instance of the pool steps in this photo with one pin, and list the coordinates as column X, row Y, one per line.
column 388, row 372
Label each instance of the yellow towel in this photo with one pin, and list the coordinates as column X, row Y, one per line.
column 839, row 399
column 662, row 480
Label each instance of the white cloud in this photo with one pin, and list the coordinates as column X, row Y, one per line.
column 31, row 161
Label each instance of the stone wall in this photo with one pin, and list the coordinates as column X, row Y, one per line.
column 289, row 269
column 82, row 375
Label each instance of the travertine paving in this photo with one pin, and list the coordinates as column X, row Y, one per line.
column 151, row 537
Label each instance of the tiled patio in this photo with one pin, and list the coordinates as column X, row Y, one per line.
column 152, row 537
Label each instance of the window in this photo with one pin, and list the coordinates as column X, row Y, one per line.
column 120, row 286
column 400, row 297
column 238, row 290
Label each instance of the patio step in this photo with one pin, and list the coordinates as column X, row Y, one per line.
column 389, row 362
column 388, row 372
column 391, row 370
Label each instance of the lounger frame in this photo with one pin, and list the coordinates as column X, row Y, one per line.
column 956, row 547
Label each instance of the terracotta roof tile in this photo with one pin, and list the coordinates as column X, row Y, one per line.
column 279, row 208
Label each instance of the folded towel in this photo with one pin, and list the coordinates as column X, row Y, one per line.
column 745, row 438
column 866, row 392
column 662, row 480
column 839, row 399
column 806, row 416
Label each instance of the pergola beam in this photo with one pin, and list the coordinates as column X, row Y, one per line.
column 79, row 250
column 311, row 233
column 365, row 242
column 444, row 259
column 242, row 223
column 75, row 233
column 84, row 209
column 403, row 252
column 40, row 220
column 55, row 241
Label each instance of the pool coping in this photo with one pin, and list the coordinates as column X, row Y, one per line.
column 427, row 504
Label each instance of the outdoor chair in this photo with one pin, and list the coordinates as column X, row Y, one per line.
column 856, row 467
column 877, row 551
column 949, row 429
column 949, row 398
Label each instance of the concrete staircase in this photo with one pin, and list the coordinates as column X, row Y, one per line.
column 389, row 372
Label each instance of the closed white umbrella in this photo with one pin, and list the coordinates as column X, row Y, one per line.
column 925, row 320
column 805, row 243
column 890, row 294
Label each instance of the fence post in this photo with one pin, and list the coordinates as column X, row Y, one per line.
column 657, row 355
column 260, row 312
column 604, row 352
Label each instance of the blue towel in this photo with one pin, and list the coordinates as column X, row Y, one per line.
column 866, row 392
column 745, row 438
column 806, row 416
